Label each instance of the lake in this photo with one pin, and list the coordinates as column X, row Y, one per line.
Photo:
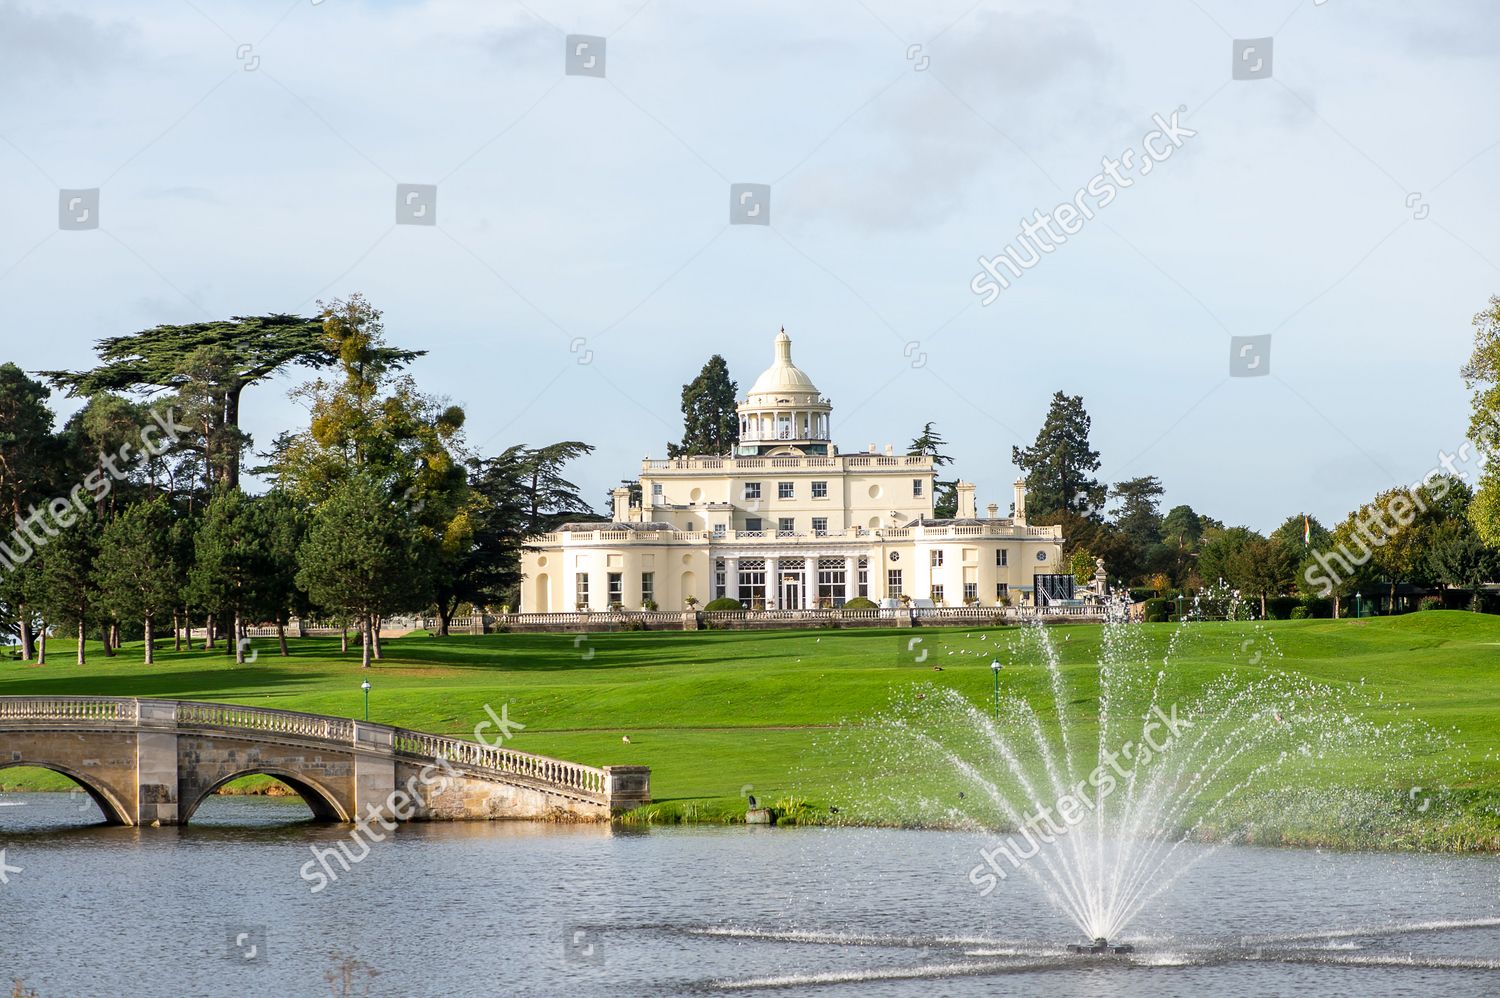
column 222, row 907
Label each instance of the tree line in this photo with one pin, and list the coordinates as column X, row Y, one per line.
column 376, row 507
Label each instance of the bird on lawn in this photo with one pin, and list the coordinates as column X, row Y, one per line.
column 625, row 739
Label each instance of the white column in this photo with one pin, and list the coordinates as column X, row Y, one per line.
column 732, row 576
column 810, row 582
column 773, row 583
column 851, row 577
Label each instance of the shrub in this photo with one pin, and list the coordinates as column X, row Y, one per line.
column 1141, row 593
column 723, row 603
column 860, row 603
column 1156, row 618
column 1158, row 606
column 1299, row 613
column 1317, row 606
column 650, row 606
column 1430, row 603
column 1280, row 607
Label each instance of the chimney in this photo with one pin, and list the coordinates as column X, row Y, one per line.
column 622, row 504
column 872, row 449
column 965, row 492
column 1020, row 513
column 994, row 510
column 890, row 450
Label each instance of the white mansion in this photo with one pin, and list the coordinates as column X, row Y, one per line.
column 788, row 522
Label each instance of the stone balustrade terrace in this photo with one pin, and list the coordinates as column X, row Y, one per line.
column 1006, row 529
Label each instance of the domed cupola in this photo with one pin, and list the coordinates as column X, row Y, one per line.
column 784, row 413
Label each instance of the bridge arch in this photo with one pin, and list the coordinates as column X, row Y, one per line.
column 323, row 802
column 115, row 813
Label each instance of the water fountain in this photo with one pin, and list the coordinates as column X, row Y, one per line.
column 1105, row 784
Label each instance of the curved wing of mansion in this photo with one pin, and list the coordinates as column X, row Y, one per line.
column 788, row 522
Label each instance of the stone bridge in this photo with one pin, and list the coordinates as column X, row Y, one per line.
column 153, row 762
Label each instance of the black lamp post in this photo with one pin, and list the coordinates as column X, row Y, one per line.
column 366, row 687
column 995, row 669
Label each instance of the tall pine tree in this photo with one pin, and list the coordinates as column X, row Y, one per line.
column 1059, row 466
column 710, row 420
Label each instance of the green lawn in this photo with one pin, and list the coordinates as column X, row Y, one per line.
column 711, row 712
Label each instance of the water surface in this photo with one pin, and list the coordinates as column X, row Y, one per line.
column 531, row 909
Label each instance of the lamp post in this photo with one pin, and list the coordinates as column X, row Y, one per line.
column 995, row 670
column 366, row 687
column 1179, row 606
column 1356, row 606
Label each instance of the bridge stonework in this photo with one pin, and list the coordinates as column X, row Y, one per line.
column 154, row 762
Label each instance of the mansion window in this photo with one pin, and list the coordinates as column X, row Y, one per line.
column 752, row 523
column 864, row 577
column 616, row 588
column 786, row 525
column 971, row 591
column 719, row 580
column 752, row 490
column 1002, row 590
column 820, row 490
column 1002, row 557
column 752, row 581
column 937, row 595
column 831, row 579
column 648, row 588
column 785, row 490
column 916, row 488
column 893, row 582
column 719, row 529
column 656, row 493
column 581, row 589
column 937, row 557
column 820, row 525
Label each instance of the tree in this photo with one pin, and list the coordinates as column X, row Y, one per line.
column 1082, row 565
column 27, row 451
column 1404, row 521
column 1222, row 557
column 137, row 574
column 1182, row 530
column 371, row 421
column 345, row 565
column 549, row 499
column 1263, row 568
column 211, row 363
column 62, row 583
column 228, row 559
column 281, row 528
column 930, row 443
column 710, row 418
column 1138, row 522
column 1059, row 466
column 1482, row 376
column 1457, row 557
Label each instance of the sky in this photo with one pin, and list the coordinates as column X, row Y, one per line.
column 586, row 258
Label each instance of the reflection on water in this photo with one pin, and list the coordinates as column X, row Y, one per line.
column 219, row 908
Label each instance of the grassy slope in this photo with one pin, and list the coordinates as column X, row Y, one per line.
column 713, row 711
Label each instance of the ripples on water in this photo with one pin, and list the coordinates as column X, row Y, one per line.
column 527, row 909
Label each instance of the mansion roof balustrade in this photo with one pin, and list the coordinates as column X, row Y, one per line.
column 834, row 462
column 661, row 534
